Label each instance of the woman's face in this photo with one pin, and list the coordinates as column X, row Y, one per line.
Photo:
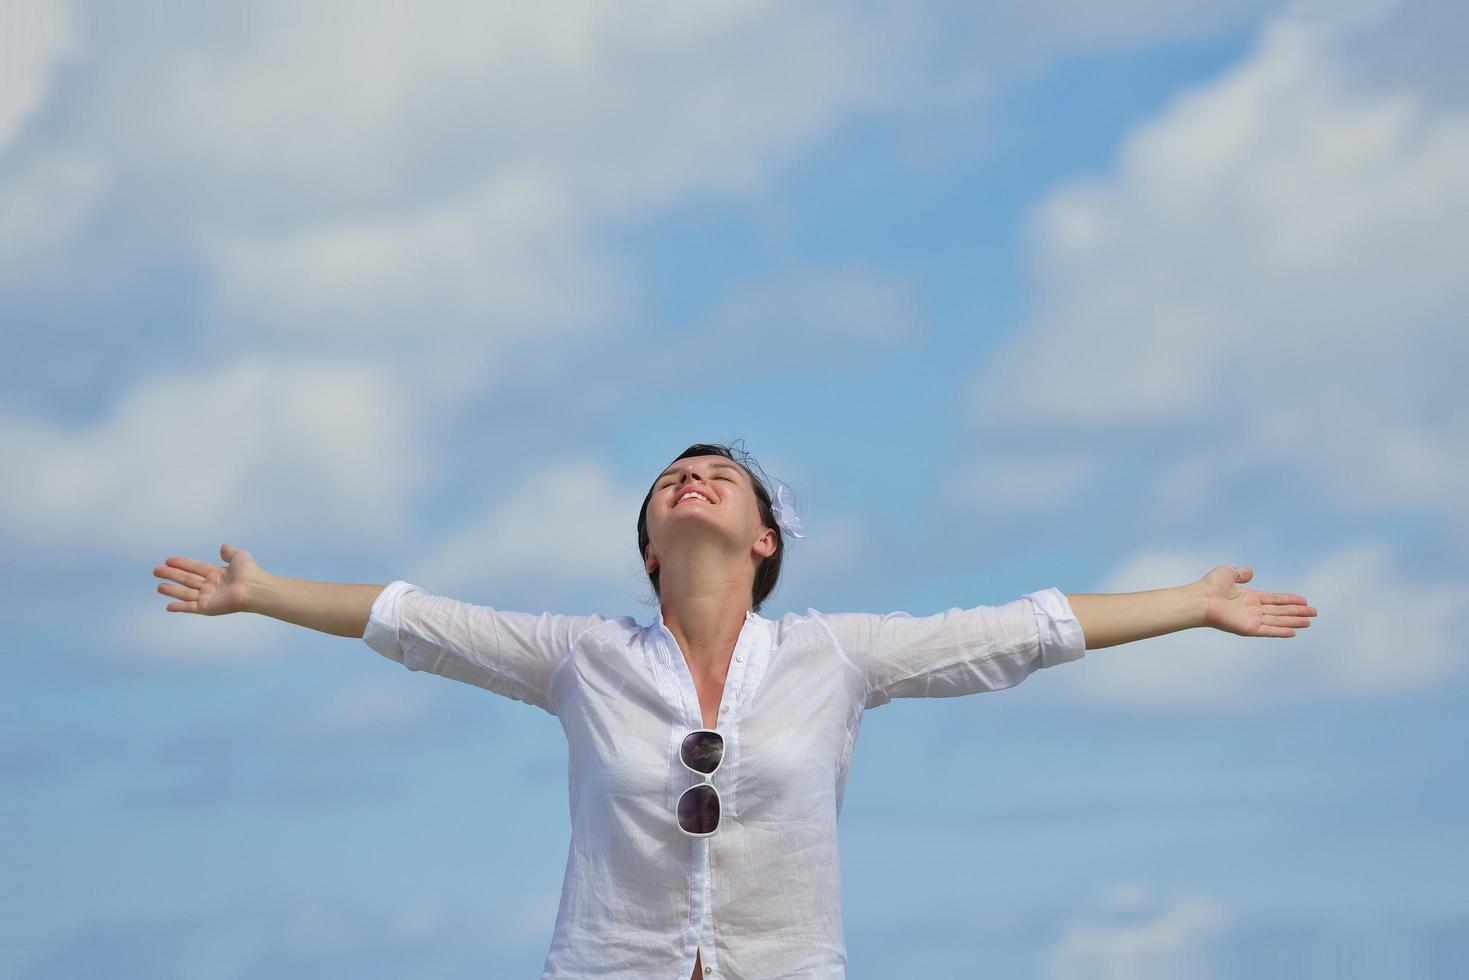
column 701, row 495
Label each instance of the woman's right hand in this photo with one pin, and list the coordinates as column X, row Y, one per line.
column 210, row 590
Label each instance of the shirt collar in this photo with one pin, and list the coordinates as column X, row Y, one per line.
column 750, row 617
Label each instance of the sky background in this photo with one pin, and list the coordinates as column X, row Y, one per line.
column 1093, row 297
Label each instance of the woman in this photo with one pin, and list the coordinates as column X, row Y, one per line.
column 664, row 873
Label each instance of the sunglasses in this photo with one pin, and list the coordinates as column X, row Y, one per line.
column 698, row 808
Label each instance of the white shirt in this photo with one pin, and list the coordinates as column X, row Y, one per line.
column 761, row 898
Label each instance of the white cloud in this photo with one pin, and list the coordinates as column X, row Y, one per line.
column 44, row 202
column 569, row 521
column 441, row 179
column 35, row 36
column 260, row 447
column 338, row 102
column 350, row 101
column 1011, row 482
column 349, row 174
column 816, row 312
column 1136, row 936
column 343, row 167
column 468, row 273
column 1380, row 632
column 1270, row 275
column 147, row 633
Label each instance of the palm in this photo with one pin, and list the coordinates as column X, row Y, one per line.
column 1249, row 612
column 205, row 588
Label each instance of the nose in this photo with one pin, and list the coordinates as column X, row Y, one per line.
column 688, row 475
column 689, row 478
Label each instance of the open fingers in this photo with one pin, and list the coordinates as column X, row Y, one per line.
column 184, row 570
column 1285, row 604
column 1273, row 619
column 178, row 591
column 188, row 596
column 190, row 564
column 1289, row 609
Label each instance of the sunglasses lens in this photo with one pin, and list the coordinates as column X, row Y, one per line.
column 702, row 751
column 698, row 809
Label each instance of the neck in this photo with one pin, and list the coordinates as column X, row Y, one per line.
column 705, row 615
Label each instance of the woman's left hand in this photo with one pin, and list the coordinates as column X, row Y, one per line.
column 1247, row 612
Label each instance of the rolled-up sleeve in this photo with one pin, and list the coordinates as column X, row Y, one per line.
column 518, row 655
column 1060, row 631
column 958, row 651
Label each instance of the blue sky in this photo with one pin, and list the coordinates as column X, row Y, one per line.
column 1092, row 298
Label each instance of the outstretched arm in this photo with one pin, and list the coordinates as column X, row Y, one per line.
column 1218, row 600
column 243, row 586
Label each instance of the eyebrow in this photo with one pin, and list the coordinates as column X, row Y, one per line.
column 712, row 466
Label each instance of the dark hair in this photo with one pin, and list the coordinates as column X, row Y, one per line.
column 768, row 574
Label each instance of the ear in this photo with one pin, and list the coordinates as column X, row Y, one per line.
column 765, row 545
column 650, row 562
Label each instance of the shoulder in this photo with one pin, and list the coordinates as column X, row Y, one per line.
column 795, row 624
column 611, row 631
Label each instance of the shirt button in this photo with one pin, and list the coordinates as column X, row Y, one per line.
column 708, row 970
column 740, row 657
column 724, row 710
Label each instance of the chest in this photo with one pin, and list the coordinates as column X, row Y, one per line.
column 710, row 694
column 788, row 715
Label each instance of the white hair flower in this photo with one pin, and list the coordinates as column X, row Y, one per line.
column 785, row 513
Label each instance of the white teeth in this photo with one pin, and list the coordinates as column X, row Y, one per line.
column 693, row 493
